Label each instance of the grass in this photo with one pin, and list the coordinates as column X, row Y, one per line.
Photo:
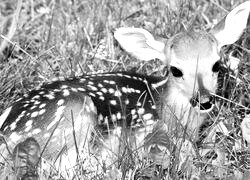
column 42, row 40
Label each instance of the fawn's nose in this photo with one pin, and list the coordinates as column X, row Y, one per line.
column 205, row 102
column 202, row 98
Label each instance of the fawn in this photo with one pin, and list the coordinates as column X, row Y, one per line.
column 70, row 114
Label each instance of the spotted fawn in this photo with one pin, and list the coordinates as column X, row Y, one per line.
column 74, row 113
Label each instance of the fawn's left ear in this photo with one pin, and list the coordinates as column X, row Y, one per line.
column 140, row 43
column 231, row 27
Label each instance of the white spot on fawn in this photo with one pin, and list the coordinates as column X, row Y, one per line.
column 14, row 137
column 113, row 102
column 99, row 93
column 13, row 126
column 81, row 89
column 132, row 90
column 105, row 81
column 28, row 128
column 138, row 104
column 118, row 93
column 119, row 116
column 108, row 74
column 64, row 86
column 82, row 80
column 111, row 90
column 42, row 111
column 60, row 102
column 29, row 123
column 100, row 118
column 42, row 105
column 101, row 98
column 113, row 117
column 112, row 82
column 119, row 74
column 91, row 94
column 66, row 92
column 124, row 89
column 127, row 76
column 33, row 107
column 57, row 90
column 49, row 96
column 37, row 102
column 41, row 92
column 36, row 131
column 36, row 97
column 104, row 90
column 127, row 101
column 93, row 88
column 34, row 114
column 149, row 122
column 141, row 111
column 99, row 85
column 133, row 111
column 18, row 118
column 23, row 112
column 138, row 91
column 74, row 89
column 147, row 116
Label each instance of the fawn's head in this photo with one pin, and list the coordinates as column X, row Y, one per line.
column 192, row 57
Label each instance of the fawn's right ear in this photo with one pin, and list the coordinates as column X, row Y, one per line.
column 140, row 43
column 231, row 27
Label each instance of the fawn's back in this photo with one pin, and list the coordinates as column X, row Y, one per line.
column 104, row 101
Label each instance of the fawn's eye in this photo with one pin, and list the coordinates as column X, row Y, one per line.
column 176, row 72
column 216, row 67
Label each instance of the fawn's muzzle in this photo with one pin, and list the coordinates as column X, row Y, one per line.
column 204, row 102
column 202, row 98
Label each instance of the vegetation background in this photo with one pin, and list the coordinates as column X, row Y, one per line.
column 45, row 39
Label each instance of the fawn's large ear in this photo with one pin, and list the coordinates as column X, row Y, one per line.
column 231, row 27
column 140, row 43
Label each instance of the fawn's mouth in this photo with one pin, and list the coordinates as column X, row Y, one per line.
column 206, row 107
column 203, row 104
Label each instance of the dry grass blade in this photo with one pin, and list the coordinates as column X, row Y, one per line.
column 12, row 28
